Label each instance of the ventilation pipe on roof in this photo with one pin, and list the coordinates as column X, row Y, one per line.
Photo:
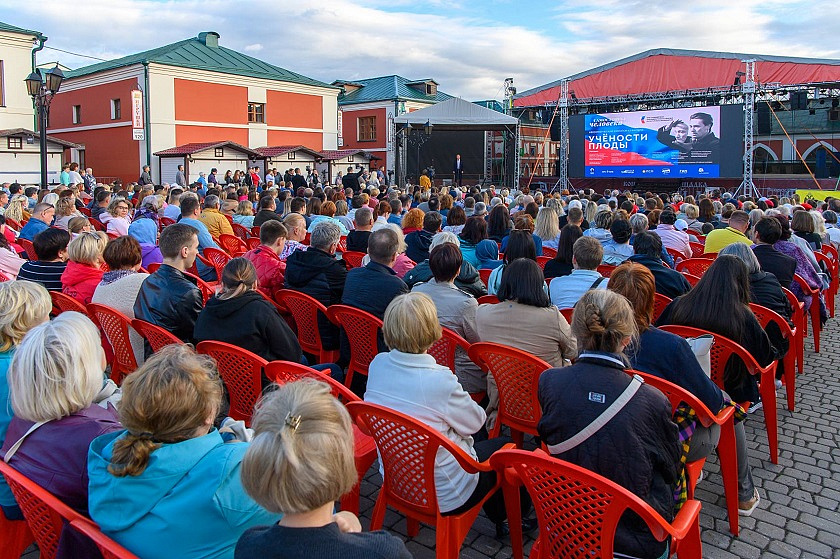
column 209, row 38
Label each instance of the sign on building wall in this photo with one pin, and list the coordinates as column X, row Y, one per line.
column 138, row 132
column 340, row 128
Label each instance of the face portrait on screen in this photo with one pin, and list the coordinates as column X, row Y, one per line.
column 700, row 127
column 680, row 132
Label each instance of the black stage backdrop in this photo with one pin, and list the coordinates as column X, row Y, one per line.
column 439, row 151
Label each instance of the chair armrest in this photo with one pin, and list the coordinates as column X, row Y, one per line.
column 685, row 519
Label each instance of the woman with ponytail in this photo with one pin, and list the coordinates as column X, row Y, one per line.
column 638, row 447
column 169, row 485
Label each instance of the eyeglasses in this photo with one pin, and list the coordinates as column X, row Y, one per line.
column 122, row 207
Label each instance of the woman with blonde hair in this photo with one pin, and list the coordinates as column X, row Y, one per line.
column 84, row 267
column 299, row 463
column 169, row 485
column 641, row 435
column 18, row 208
column 547, row 227
column 23, row 305
column 78, row 225
column 55, row 378
column 65, row 210
column 244, row 215
column 116, row 218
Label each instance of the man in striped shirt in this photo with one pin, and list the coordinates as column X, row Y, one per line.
column 51, row 248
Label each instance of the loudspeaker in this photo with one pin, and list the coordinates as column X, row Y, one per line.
column 555, row 133
column 798, row 100
column 762, row 119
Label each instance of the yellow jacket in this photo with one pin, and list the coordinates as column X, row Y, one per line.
column 216, row 222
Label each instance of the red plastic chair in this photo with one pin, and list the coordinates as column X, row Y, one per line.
column 241, row 371
column 765, row 316
column 726, row 449
column 116, row 326
column 484, row 274
column 307, row 238
column 232, row 244
column 62, row 302
column 659, row 303
column 153, row 267
column 207, row 290
column 445, row 348
column 675, row 254
column 241, row 231
column 85, row 211
column 488, row 299
column 16, row 537
column 29, row 248
column 98, row 225
column 722, row 349
column 517, row 374
column 691, row 278
column 44, row 513
column 253, row 242
column 113, row 235
column 255, row 231
column 304, row 309
column 695, row 266
column 13, row 224
column 549, row 252
column 282, row 372
column 108, row 547
column 362, row 330
column 606, row 270
column 696, row 248
column 352, row 258
column 701, row 238
column 831, row 292
column 218, row 258
column 156, row 336
column 814, row 309
column 165, row 221
column 407, row 450
column 800, row 321
column 342, row 244
column 4, row 278
column 578, row 510
column 568, row 314
column 542, row 261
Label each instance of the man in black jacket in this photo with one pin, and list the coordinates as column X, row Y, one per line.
column 648, row 249
column 767, row 232
column 418, row 242
column 168, row 298
column 267, row 210
column 317, row 273
column 351, row 179
column 372, row 287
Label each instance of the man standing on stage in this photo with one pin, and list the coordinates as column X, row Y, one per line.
column 458, row 170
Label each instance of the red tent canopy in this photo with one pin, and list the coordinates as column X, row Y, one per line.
column 674, row 70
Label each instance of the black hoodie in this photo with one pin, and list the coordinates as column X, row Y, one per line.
column 250, row 322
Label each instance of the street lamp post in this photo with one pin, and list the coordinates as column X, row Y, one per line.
column 42, row 93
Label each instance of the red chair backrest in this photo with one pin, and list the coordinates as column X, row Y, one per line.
column 153, row 267
column 691, row 278
column 577, row 510
column 255, row 231
column 306, row 238
column 362, row 330
column 116, row 326
column 606, row 270
column 765, row 316
column 108, row 547
column 659, row 303
column 164, row 221
column 29, row 248
column 241, row 371
column 232, row 244
column 675, row 254
column 252, row 242
column 696, row 248
column 218, row 258
column 3, row 278
column 517, row 375
column 542, row 261
column 353, row 258
column 98, row 225
column 305, row 311
column 85, row 211
column 240, row 231
column 695, row 266
column 62, row 302
column 488, row 300
column 803, row 285
column 407, row 450
column 207, row 290
column 484, row 274
column 44, row 513
column 13, row 224
column 567, row 314
column 677, row 395
column 549, row 252
column 113, row 235
column 445, row 348
column 229, row 218
column 342, row 244
column 282, row 372
column 156, row 336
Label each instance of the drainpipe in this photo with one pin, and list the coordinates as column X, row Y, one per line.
column 41, row 40
column 147, row 123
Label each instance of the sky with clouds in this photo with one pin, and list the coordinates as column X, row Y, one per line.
column 468, row 47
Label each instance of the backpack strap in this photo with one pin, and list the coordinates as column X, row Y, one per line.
column 597, row 282
column 14, row 448
column 604, row 418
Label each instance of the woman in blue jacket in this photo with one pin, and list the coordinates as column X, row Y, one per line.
column 169, row 485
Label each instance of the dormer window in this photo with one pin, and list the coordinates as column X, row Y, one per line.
column 431, row 88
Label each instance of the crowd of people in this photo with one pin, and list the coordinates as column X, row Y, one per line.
column 162, row 470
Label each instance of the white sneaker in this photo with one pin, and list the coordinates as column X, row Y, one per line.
column 778, row 383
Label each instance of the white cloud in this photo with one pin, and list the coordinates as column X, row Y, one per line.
column 469, row 55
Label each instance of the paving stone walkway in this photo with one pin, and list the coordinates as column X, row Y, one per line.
column 799, row 513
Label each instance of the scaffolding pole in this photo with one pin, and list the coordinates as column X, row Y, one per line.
column 747, row 186
column 563, row 152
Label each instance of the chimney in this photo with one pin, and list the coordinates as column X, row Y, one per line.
column 209, row 38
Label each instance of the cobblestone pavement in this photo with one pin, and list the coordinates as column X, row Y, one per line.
column 799, row 513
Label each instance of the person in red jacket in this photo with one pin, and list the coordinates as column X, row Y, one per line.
column 266, row 257
column 84, row 269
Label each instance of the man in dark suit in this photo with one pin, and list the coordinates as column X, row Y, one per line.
column 767, row 232
column 458, row 170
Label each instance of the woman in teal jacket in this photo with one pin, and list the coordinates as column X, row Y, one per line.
column 169, row 485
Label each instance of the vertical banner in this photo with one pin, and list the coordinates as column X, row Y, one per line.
column 137, row 120
column 340, row 128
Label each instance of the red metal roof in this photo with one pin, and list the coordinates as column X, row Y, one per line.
column 274, row 151
column 195, row 147
column 662, row 70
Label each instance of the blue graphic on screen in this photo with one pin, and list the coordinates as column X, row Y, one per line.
column 662, row 143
